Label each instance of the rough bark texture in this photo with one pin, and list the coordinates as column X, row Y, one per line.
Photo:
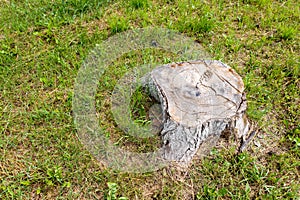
column 200, row 99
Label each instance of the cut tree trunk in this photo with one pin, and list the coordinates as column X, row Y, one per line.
column 199, row 100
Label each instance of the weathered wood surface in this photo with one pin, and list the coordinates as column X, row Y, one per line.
column 200, row 99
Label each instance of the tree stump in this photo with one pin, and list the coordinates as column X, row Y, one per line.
column 199, row 100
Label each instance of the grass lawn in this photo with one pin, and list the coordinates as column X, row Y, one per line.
column 44, row 43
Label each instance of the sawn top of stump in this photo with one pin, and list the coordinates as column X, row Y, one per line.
column 198, row 91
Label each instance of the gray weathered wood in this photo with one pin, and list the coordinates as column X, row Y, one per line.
column 200, row 99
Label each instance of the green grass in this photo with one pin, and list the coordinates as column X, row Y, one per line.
column 42, row 47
